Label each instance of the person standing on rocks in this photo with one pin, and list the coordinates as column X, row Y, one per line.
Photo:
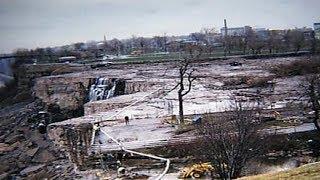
column 126, row 119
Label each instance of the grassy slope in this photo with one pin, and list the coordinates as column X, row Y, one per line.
column 308, row 171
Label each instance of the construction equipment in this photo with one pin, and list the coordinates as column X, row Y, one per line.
column 196, row 170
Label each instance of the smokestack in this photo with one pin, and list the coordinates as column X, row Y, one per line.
column 225, row 37
column 225, row 27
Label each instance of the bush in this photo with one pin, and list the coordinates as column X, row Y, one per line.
column 248, row 80
column 300, row 67
column 258, row 81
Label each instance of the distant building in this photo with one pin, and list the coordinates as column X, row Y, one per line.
column 316, row 27
column 307, row 32
column 237, row 31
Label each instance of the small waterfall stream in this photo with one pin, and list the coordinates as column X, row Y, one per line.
column 105, row 88
column 112, row 90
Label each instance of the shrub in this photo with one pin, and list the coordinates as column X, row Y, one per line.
column 300, row 67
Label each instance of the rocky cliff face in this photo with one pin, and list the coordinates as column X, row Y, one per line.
column 72, row 92
column 26, row 74
column 25, row 153
column 74, row 139
column 111, row 104
column 67, row 93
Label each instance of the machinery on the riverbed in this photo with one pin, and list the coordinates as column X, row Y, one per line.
column 196, row 170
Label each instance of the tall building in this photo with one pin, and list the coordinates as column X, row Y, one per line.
column 237, row 31
column 316, row 27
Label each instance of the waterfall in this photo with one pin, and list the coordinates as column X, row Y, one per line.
column 112, row 90
column 102, row 89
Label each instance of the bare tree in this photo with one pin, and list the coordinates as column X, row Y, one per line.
column 186, row 75
column 271, row 41
column 210, row 49
column 141, row 42
column 161, row 42
column 184, row 72
column 115, row 46
column 255, row 43
column 274, row 41
column 297, row 39
column 230, row 140
column 192, row 51
column 313, row 92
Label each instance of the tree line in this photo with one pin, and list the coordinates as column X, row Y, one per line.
column 207, row 41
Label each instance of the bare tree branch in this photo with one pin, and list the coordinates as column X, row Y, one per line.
column 230, row 140
column 190, row 80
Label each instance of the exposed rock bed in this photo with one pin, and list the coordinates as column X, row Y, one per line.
column 27, row 153
column 24, row 152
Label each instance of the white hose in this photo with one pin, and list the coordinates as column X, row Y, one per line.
column 95, row 127
column 142, row 154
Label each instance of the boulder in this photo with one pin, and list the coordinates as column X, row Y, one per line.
column 33, row 169
column 43, row 156
column 5, row 148
column 15, row 138
column 32, row 152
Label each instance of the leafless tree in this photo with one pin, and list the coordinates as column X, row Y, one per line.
column 141, row 42
column 313, row 93
column 185, row 72
column 255, row 43
column 271, row 41
column 296, row 39
column 274, row 41
column 161, row 42
column 116, row 46
column 186, row 76
column 210, row 48
column 192, row 51
column 229, row 140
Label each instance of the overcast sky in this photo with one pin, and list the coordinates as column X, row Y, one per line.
column 42, row 23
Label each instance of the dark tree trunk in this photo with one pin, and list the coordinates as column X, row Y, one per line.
column 315, row 107
column 181, row 116
column 315, row 103
column 180, row 97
